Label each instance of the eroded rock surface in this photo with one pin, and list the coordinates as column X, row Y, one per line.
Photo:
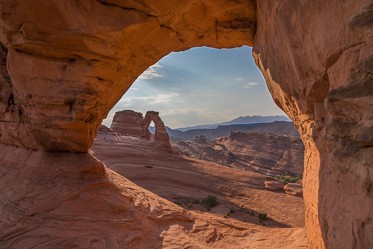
column 82, row 204
column 268, row 154
column 273, row 185
column 128, row 123
column 294, row 189
column 79, row 57
column 317, row 59
column 68, row 62
column 160, row 136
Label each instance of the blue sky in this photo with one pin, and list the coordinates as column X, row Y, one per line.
column 200, row 86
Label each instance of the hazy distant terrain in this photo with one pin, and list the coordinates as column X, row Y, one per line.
column 277, row 128
column 239, row 120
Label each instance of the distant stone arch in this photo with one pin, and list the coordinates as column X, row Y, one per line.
column 161, row 136
column 64, row 65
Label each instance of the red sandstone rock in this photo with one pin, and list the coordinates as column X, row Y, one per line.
column 161, row 136
column 64, row 64
column 273, row 185
column 316, row 57
column 128, row 123
column 293, row 189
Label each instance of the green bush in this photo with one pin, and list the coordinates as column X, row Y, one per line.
column 286, row 179
column 210, row 201
column 232, row 210
column 262, row 217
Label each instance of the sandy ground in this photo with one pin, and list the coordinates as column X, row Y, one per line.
column 186, row 182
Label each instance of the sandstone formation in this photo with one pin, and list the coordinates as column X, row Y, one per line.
column 106, row 135
column 293, row 189
column 161, row 136
column 317, row 59
column 104, row 129
column 128, row 123
column 273, row 185
column 131, row 123
column 268, row 154
column 79, row 57
column 64, row 64
column 184, row 181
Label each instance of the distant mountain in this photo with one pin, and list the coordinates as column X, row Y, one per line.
column 278, row 128
column 239, row 120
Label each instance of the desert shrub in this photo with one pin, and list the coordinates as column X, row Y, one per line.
column 210, row 201
column 286, row 179
column 262, row 217
column 232, row 210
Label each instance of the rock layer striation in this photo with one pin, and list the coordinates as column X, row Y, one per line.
column 64, row 64
column 128, row 123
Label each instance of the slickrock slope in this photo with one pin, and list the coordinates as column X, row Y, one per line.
column 83, row 204
column 183, row 180
column 265, row 153
column 64, row 64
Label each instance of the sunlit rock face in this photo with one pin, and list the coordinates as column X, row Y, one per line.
column 128, row 123
column 64, row 64
column 161, row 137
column 69, row 62
column 317, row 59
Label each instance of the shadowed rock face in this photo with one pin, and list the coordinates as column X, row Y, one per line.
column 79, row 57
column 316, row 57
column 64, row 64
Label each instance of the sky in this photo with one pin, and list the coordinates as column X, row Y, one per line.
column 200, row 86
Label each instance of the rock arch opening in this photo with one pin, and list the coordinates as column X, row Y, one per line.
column 64, row 64
column 211, row 84
column 152, row 127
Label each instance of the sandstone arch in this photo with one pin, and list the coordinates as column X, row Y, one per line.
column 64, row 64
column 160, row 136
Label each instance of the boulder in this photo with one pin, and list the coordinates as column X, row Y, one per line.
column 294, row 189
column 273, row 185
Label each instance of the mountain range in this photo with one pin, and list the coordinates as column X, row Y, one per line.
column 240, row 120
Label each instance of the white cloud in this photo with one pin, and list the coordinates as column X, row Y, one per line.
column 238, row 79
column 151, row 73
column 150, row 100
column 250, row 84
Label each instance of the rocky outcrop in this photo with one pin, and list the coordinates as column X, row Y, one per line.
column 317, row 59
column 106, row 135
column 64, row 64
column 104, row 128
column 273, row 185
column 131, row 123
column 160, row 136
column 128, row 123
column 75, row 69
column 294, row 189
column 268, row 154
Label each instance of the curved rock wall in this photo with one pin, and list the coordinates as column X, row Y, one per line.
column 79, row 57
column 68, row 62
column 317, row 59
